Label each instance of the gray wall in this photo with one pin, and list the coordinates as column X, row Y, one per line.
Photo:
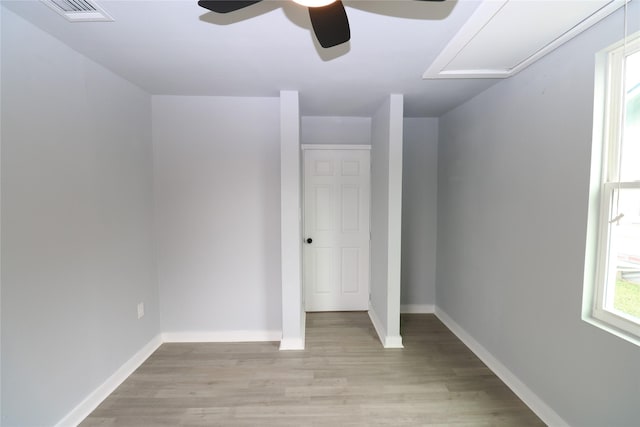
column 335, row 130
column 419, row 211
column 386, row 218
column 76, row 225
column 512, row 210
column 380, row 210
column 217, row 191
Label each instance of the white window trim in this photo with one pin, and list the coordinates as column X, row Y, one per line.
column 618, row 320
column 604, row 167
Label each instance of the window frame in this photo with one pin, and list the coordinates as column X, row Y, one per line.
column 608, row 122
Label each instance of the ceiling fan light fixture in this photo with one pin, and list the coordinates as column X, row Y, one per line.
column 314, row 3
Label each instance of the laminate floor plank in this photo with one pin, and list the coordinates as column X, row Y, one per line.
column 343, row 378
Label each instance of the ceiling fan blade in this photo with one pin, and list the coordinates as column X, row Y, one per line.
column 226, row 6
column 330, row 23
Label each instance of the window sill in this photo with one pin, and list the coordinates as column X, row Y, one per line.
column 627, row 336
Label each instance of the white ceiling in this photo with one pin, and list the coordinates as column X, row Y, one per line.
column 502, row 37
column 178, row 48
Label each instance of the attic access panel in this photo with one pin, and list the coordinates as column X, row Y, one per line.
column 502, row 37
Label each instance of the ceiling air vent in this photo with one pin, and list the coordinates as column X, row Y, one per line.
column 79, row 10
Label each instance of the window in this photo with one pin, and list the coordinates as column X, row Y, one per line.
column 614, row 291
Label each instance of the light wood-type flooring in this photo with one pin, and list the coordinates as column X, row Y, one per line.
column 343, row 378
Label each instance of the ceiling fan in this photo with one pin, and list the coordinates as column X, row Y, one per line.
column 328, row 17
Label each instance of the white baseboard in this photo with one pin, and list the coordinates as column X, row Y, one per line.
column 537, row 405
column 96, row 397
column 386, row 340
column 417, row 309
column 221, row 336
column 393, row 342
column 377, row 324
column 296, row 343
column 292, row 344
column 303, row 327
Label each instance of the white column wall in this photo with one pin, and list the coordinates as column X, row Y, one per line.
column 293, row 315
column 386, row 219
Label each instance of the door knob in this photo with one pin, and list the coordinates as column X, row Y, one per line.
column 309, row 240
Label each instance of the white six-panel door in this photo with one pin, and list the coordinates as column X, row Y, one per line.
column 336, row 219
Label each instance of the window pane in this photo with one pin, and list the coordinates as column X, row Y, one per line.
column 624, row 295
column 630, row 165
